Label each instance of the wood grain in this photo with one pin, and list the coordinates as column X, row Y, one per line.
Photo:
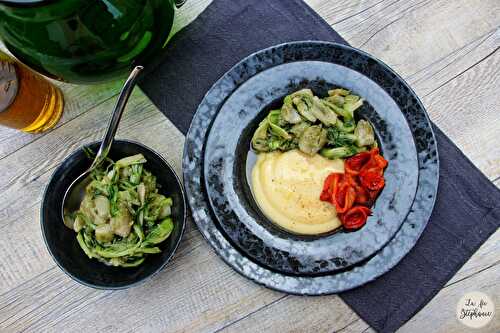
column 409, row 35
column 442, row 48
column 447, row 68
column 471, row 103
column 298, row 314
column 356, row 327
column 335, row 12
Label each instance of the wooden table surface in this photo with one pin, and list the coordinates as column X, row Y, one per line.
column 446, row 50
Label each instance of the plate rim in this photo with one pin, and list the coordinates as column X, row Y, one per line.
column 216, row 245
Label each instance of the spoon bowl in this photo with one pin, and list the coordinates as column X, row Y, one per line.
column 76, row 190
column 74, row 195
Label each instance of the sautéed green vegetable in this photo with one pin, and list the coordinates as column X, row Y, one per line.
column 316, row 125
column 122, row 217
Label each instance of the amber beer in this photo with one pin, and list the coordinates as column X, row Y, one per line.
column 28, row 101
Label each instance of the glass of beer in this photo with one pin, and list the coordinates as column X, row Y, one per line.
column 28, row 101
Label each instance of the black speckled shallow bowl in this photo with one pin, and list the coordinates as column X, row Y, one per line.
column 228, row 162
column 215, row 159
column 61, row 241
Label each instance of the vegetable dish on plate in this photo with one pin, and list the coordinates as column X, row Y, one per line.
column 318, row 168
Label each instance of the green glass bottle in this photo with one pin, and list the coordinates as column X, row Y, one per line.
column 86, row 41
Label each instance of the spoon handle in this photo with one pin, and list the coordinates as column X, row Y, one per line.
column 115, row 118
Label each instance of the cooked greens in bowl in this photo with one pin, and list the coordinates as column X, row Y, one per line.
column 122, row 217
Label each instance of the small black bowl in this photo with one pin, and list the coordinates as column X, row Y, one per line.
column 61, row 241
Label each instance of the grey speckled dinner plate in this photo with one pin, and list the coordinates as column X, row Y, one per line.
column 216, row 156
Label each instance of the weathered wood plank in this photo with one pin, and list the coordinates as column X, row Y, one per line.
column 359, row 326
column 448, row 72
column 409, row 35
column 298, row 314
column 443, row 70
column 466, row 109
column 335, row 12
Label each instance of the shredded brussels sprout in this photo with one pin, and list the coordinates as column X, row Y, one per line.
column 316, row 125
column 122, row 217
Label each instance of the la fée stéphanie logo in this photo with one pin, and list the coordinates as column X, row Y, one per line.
column 475, row 309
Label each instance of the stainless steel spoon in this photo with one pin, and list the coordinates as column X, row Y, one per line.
column 75, row 192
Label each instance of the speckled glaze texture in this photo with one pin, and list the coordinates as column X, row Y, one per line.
column 227, row 216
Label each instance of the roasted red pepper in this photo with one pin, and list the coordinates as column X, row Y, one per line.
column 372, row 180
column 330, row 186
column 344, row 197
column 353, row 192
column 373, row 195
column 381, row 162
column 326, row 193
column 354, row 164
column 355, row 217
column 375, row 162
column 363, row 196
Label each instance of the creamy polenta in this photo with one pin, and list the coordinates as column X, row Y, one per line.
column 287, row 186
